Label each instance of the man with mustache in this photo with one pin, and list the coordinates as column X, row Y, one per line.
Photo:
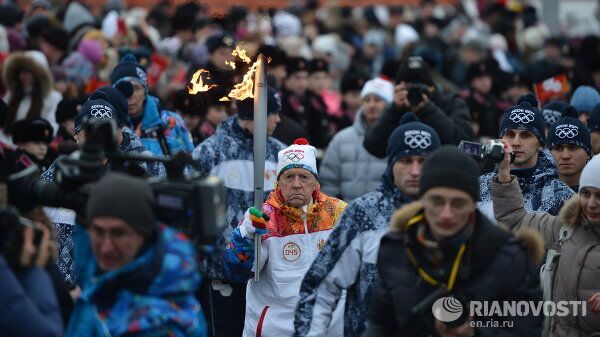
column 299, row 220
column 523, row 127
column 569, row 143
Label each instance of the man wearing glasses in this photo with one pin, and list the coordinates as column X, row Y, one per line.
column 442, row 246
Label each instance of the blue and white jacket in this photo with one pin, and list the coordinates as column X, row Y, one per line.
column 229, row 155
column 347, row 261
column 63, row 220
column 176, row 133
column 543, row 191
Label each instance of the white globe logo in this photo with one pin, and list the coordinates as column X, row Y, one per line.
column 447, row 309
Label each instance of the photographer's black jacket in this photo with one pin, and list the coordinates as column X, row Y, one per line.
column 495, row 267
column 448, row 115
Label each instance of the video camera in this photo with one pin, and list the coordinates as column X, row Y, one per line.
column 194, row 205
column 491, row 150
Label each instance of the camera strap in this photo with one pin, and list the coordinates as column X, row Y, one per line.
column 449, row 285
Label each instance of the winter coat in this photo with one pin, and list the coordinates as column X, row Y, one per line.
column 228, row 154
column 347, row 261
column 153, row 295
column 543, row 190
column 63, row 220
column 294, row 238
column 41, row 72
column 448, row 115
column 156, row 122
column 29, row 304
column 577, row 274
column 348, row 170
column 491, row 251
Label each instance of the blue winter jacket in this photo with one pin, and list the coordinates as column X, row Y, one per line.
column 29, row 305
column 177, row 135
column 347, row 261
column 228, row 154
column 543, row 191
column 62, row 228
column 153, row 295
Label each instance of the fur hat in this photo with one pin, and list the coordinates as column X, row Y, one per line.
column 33, row 61
column 32, row 130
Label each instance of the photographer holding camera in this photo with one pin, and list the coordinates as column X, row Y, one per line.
column 138, row 277
column 106, row 103
column 415, row 91
column 29, row 303
column 443, row 246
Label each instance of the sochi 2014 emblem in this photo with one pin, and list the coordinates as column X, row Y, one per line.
column 417, row 139
column 566, row 131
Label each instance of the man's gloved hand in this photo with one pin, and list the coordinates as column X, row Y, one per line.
column 255, row 222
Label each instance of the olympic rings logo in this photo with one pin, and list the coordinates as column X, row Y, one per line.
column 566, row 131
column 524, row 117
column 101, row 111
column 293, row 157
column 415, row 139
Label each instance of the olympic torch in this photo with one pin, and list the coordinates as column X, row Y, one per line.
column 260, row 147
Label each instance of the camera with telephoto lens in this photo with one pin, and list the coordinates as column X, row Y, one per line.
column 12, row 225
column 489, row 151
column 194, row 205
column 416, row 92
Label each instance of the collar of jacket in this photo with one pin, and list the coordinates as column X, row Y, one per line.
column 388, row 188
column 151, row 117
column 230, row 127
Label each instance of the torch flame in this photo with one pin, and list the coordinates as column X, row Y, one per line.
column 245, row 89
column 224, row 99
column 231, row 64
column 198, row 84
column 241, row 53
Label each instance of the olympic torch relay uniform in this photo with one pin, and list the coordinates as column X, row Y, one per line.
column 294, row 238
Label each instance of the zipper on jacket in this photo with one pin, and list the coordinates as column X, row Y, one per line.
column 304, row 216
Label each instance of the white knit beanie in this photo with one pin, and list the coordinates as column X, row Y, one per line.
column 298, row 155
column 384, row 89
column 590, row 176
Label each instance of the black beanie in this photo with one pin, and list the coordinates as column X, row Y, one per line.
column 129, row 69
column 57, row 37
column 245, row 107
column 116, row 95
column 570, row 130
column 97, row 108
column 593, row 121
column 123, row 197
column 524, row 116
column 67, row 109
column 552, row 112
column 450, row 167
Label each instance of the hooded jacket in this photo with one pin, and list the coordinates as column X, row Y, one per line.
column 578, row 272
column 33, row 62
column 448, row 115
column 490, row 252
column 153, row 295
column 348, row 262
column 229, row 155
column 543, row 190
column 294, row 238
column 348, row 170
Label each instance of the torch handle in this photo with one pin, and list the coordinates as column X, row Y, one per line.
column 260, row 148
